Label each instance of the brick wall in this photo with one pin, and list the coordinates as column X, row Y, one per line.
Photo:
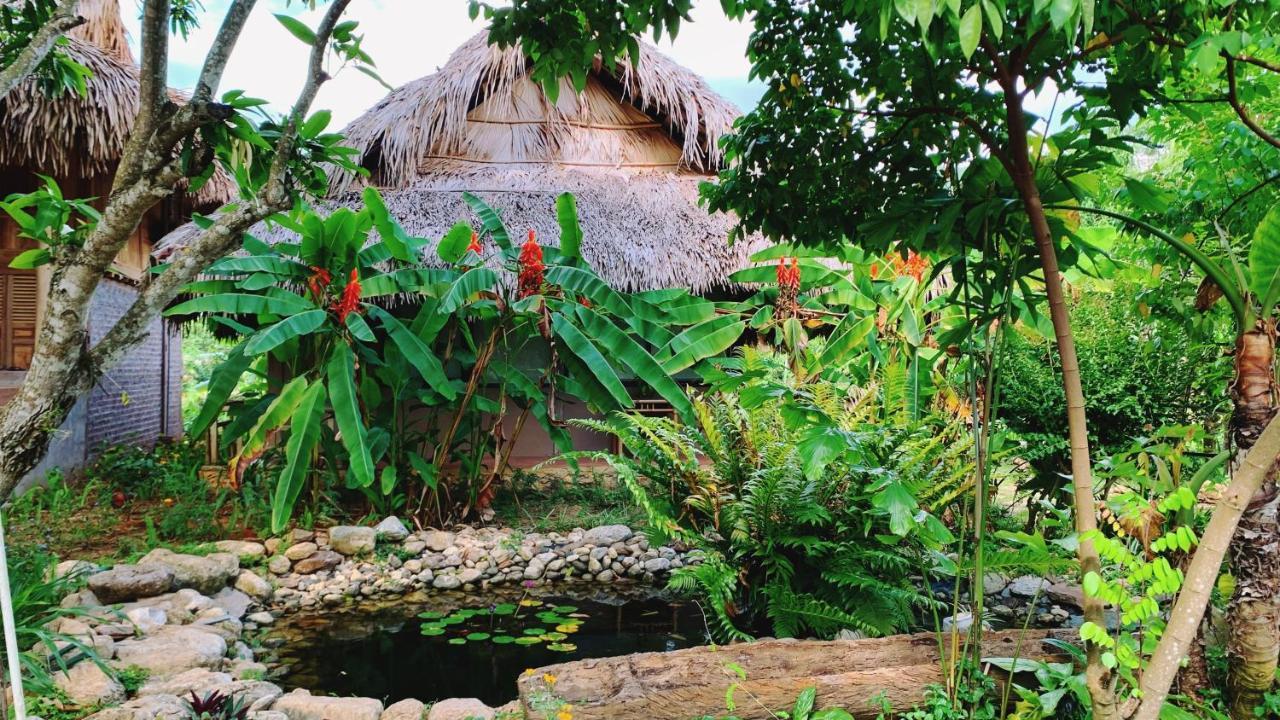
column 128, row 405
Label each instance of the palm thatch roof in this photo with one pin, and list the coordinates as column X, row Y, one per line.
column 633, row 146
column 74, row 135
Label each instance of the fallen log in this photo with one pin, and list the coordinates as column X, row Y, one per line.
column 692, row 683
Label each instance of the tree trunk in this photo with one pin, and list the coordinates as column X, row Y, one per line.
column 1096, row 675
column 1254, row 614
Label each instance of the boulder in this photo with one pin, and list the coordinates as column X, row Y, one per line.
column 391, row 528
column 130, row 582
column 322, row 560
column 253, row 585
column 86, row 685
column 279, row 564
column 437, row 540
column 206, row 574
column 1028, row 586
column 301, row 706
column 460, row 709
column 233, row 601
column 607, row 535
column 301, row 550
column 147, row 619
column 1066, row 594
column 172, row 650
column 408, row 709
column 197, row 680
column 151, row 707
column 993, row 583
column 243, row 549
column 298, row 535
column 352, row 540
column 261, row 618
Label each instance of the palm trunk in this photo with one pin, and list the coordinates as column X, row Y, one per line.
column 1254, row 613
column 1097, row 677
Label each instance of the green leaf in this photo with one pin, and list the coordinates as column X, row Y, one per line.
column 970, row 30
column 242, row 304
column 589, row 285
column 1264, row 261
column 222, row 382
column 393, row 236
column 315, row 124
column 580, row 345
column 473, row 281
column 416, row 351
column 346, row 412
column 851, row 332
column 405, row 280
column 701, row 341
column 297, row 28
column 388, row 480
column 622, row 348
column 804, row 704
column 895, row 499
column 490, row 219
column 304, row 433
column 454, row 243
column 31, row 259
column 1060, row 13
column 275, row 415
column 291, row 327
column 360, row 329
column 570, row 230
column 1146, row 196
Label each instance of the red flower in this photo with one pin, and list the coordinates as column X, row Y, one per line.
column 350, row 300
column 531, row 268
column 914, row 265
column 789, row 276
column 318, row 283
column 475, row 244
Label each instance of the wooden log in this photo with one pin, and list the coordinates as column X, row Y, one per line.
column 691, row 683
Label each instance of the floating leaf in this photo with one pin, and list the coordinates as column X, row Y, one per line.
column 562, row 647
column 567, row 628
column 503, row 640
column 528, row 640
column 478, row 636
column 530, row 602
column 457, row 641
column 431, row 615
column 535, row 631
column 556, row 636
column 565, row 609
column 504, row 609
column 432, row 631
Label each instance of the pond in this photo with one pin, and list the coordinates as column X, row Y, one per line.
column 455, row 645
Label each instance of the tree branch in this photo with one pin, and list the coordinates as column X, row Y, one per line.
column 64, row 18
column 215, row 63
column 152, row 92
column 1234, row 99
column 988, row 140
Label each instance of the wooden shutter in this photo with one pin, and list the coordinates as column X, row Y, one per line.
column 18, row 304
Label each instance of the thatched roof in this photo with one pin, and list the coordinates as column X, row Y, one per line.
column 633, row 147
column 84, row 135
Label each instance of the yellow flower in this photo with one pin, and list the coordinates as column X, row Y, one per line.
column 564, row 715
column 528, row 671
column 549, row 678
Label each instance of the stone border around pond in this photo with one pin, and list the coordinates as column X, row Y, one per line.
column 184, row 619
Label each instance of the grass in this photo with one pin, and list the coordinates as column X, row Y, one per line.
column 555, row 503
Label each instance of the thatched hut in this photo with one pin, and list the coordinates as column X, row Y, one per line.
column 78, row 140
column 633, row 147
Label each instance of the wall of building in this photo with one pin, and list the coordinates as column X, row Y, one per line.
column 129, row 403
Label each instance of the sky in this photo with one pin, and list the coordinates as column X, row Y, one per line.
column 409, row 39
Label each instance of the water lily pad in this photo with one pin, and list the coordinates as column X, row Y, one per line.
column 432, row 631
column 565, row 609
column 567, row 628
column 530, row 602
column 554, row 636
column 478, row 636
column 562, row 647
column 504, row 609
column 457, row 641
column 467, row 613
column 535, row 631
column 503, row 639
column 431, row 615
column 451, row 620
column 528, row 640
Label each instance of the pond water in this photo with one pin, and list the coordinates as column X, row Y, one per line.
column 473, row 646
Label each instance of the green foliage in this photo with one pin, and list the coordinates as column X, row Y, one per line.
column 19, row 22
column 803, row 500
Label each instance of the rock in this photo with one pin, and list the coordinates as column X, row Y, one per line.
column 82, row 599
column 197, row 680
column 266, row 715
column 233, row 601
column 86, row 685
column 248, row 670
column 301, row 551
column 470, row 575
column 408, row 709
column 272, row 545
column 961, row 622
column 446, row 582
column 130, row 582
column 605, row 576
column 151, row 707
column 311, row 707
column 298, row 535
column 414, row 547
column 261, row 618
column 173, row 649
column 1066, row 594
column 146, row 619
column 322, row 560
column 207, row 574
column 659, row 564
column 74, row 569
column 243, row 549
column 607, row 535
column 437, row 540
column 460, row 709
column 993, row 583
column 534, row 569
column 849, row 634
column 1028, row 586
column 352, row 540
column 279, row 564
column 252, row 584
column 392, row 529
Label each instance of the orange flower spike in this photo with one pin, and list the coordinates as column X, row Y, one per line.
column 475, row 244
column 531, row 268
column 350, row 301
column 318, row 282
